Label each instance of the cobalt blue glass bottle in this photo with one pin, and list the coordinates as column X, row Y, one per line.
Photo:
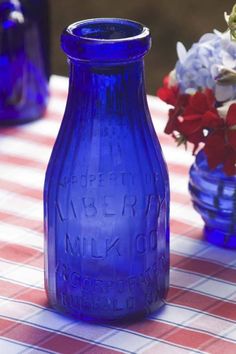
column 23, row 84
column 106, row 197
column 214, row 197
column 37, row 13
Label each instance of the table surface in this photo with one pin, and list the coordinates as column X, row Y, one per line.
column 200, row 311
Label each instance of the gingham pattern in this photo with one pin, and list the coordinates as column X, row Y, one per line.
column 200, row 311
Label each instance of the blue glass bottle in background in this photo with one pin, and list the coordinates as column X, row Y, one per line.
column 106, row 196
column 24, row 83
column 37, row 13
column 214, row 197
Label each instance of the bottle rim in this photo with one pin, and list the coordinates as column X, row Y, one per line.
column 106, row 39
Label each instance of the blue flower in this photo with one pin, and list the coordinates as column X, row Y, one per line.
column 199, row 66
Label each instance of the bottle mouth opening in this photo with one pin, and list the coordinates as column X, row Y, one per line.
column 107, row 29
column 106, row 39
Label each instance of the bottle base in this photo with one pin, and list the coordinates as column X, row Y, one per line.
column 14, row 122
column 109, row 319
column 13, row 118
column 219, row 238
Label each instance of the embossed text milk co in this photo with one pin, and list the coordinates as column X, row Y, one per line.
column 106, row 191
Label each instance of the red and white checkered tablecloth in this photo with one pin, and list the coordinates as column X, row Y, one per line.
column 200, row 311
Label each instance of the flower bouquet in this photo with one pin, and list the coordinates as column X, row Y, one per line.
column 202, row 92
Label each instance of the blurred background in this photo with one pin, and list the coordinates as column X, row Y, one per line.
column 169, row 21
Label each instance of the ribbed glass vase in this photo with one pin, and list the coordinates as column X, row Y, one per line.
column 214, row 197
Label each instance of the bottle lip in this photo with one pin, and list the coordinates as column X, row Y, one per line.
column 106, row 40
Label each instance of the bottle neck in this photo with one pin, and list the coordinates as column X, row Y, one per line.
column 111, row 88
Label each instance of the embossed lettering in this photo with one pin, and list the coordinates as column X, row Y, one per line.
column 92, row 178
column 97, row 302
column 141, row 243
column 98, row 285
column 117, row 305
column 83, row 181
column 58, row 207
column 73, row 249
column 94, row 249
column 151, row 277
column 145, row 243
column 101, row 180
column 111, row 178
column 108, row 206
column 82, row 247
column 63, row 271
column 152, row 204
column 68, row 180
column 75, row 279
column 71, row 211
column 112, row 247
column 89, row 207
column 129, row 204
column 127, row 179
column 132, row 283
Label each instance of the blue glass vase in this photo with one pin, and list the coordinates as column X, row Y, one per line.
column 24, row 82
column 106, row 196
column 214, row 197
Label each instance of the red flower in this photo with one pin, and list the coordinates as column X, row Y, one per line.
column 195, row 118
column 219, row 152
column 192, row 115
column 192, row 132
column 212, row 120
column 172, row 96
column 220, row 147
column 200, row 103
column 231, row 123
column 174, row 113
column 168, row 94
